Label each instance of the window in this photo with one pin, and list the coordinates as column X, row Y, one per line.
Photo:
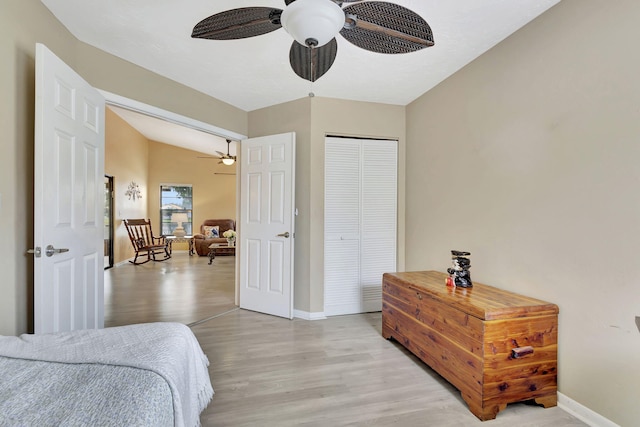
column 176, row 208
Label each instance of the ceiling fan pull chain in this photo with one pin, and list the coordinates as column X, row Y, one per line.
column 312, row 73
column 311, row 94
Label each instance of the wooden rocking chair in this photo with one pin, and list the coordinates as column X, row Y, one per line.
column 144, row 243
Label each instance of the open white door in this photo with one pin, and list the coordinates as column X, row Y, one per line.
column 68, row 199
column 267, row 167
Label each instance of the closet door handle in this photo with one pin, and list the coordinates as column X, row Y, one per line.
column 285, row 235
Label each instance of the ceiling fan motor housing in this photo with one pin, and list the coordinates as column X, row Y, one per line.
column 313, row 23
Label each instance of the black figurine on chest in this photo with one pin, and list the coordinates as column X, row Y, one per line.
column 459, row 273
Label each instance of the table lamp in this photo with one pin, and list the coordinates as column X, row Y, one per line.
column 179, row 218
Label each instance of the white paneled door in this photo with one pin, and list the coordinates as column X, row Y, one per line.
column 68, row 199
column 360, row 222
column 266, row 229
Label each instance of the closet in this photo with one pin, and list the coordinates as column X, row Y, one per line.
column 360, row 222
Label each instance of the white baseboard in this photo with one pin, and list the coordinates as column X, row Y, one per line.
column 583, row 413
column 306, row 315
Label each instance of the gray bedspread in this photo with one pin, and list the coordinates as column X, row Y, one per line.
column 127, row 361
column 37, row 393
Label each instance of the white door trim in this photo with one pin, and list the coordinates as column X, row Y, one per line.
column 159, row 113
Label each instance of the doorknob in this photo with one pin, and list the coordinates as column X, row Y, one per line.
column 52, row 251
column 285, row 235
column 37, row 251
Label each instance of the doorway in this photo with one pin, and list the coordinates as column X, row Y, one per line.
column 185, row 288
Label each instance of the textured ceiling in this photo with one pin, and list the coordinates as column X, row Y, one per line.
column 254, row 73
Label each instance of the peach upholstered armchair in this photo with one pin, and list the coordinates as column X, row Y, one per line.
column 211, row 232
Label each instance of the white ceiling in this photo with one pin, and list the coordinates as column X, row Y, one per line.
column 255, row 73
column 167, row 132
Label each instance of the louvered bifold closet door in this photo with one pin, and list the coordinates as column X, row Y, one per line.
column 342, row 227
column 360, row 222
column 378, row 219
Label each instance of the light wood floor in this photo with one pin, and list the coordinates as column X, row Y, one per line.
column 183, row 289
column 268, row 371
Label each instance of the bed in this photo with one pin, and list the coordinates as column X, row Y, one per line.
column 152, row 374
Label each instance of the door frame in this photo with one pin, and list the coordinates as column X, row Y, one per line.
column 110, row 253
column 149, row 110
column 112, row 99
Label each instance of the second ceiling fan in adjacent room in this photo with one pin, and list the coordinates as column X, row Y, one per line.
column 226, row 159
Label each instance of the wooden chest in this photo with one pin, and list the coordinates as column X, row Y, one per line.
column 495, row 346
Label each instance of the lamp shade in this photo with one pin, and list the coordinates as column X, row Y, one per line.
column 179, row 217
column 228, row 161
column 313, row 22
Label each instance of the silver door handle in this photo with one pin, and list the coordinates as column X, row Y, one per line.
column 37, row 251
column 52, row 251
column 285, row 235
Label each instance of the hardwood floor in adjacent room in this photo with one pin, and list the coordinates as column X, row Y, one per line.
column 183, row 289
column 268, row 371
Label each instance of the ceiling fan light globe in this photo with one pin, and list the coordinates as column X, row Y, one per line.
column 228, row 162
column 319, row 20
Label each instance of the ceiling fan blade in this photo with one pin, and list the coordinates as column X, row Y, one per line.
column 312, row 63
column 338, row 2
column 238, row 23
column 384, row 27
column 208, row 157
column 220, row 152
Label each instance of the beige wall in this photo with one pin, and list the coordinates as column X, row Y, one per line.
column 127, row 160
column 22, row 24
column 107, row 72
column 312, row 119
column 529, row 158
column 214, row 195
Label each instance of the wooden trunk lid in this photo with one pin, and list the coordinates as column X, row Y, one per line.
column 482, row 301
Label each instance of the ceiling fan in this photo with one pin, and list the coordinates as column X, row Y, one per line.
column 377, row 26
column 227, row 159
